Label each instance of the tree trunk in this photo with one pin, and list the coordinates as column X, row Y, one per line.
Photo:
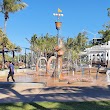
column 13, row 56
column 3, row 53
column 5, row 22
column 3, row 58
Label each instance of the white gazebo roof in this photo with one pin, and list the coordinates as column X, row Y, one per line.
column 96, row 49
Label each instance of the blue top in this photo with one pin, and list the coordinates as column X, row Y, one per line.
column 99, row 66
column 11, row 67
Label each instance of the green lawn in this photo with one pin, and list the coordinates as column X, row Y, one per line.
column 95, row 105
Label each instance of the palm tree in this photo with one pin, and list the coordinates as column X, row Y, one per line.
column 3, row 43
column 108, row 9
column 82, row 41
column 1, row 32
column 18, row 49
column 33, row 41
column 10, row 6
column 70, row 43
column 75, row 45
column 44, row 44
column 105, row 35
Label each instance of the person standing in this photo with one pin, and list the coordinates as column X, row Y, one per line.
column 99, row 66
column 11, row 71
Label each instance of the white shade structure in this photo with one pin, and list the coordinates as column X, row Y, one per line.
column 100, row 53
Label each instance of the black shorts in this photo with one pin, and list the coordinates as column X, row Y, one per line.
column 11, row 73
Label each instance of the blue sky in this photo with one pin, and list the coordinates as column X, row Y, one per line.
column 38, row 19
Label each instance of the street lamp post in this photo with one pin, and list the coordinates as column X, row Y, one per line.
column 25, row 56
column 31, row 51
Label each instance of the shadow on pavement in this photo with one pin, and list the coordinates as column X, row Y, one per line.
column 53, row 94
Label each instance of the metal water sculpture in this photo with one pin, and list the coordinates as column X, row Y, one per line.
column 47, row 63
column 37, row 65
column 59, row 47
column 60, row 53
column 57, row 70
column 48, row 67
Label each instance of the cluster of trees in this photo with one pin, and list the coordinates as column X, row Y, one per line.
column 47, row 42
column 6, row 7
column 43, row 43
column 105, row 34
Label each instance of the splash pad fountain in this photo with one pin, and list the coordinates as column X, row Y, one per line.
column 57, row 72
column 53, row 66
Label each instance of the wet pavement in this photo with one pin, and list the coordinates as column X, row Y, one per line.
column 76, row 79
column 31, row 87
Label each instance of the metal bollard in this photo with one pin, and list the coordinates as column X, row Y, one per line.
column 82, row 71
column 108, row 75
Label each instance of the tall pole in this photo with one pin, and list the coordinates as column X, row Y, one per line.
column 57, row 53
column 25, row 57
column 31, row 51
column 31, row 55
column 58, row 26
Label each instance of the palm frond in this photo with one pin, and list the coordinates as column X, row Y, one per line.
column 18, row 7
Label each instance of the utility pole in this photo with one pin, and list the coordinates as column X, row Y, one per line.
column 31, row 51
column 25, row 56
column 94, row 34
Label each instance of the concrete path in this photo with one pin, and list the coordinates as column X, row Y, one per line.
column 65, row 94
column 30, row 92
column 19, row 92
